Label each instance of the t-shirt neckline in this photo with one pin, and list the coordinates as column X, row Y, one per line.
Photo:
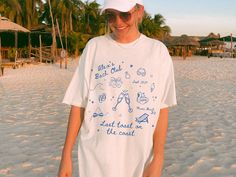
column 125, row 45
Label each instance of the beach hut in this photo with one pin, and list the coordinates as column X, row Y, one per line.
column 7, row 26
column 184, row 45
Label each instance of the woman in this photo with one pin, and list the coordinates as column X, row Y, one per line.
column 119, row 97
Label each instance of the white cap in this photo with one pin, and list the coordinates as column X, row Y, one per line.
column 120, row 5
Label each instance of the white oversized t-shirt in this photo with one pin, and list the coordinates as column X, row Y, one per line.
column 122, row 88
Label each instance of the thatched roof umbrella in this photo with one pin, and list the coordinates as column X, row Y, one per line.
column 228, row 39
column 7, row 25
column 211, row 42
column 216, row 42
column 212, row 35
column 184, row 41
column 168, row 40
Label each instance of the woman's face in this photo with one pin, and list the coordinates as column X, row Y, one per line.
column 124, row 25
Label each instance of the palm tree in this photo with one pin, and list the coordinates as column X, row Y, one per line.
column 30, row 12
column 65, row 11
column 91, row 21
column 82, row 20
column 162, row 29
column 154, row 27
column 68, row 13
column 11, row 9
column 23, row 12
column 146, row 27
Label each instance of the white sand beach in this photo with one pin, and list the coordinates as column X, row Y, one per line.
column 202, row 128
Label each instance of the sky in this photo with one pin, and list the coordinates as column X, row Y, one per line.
column 195, row 17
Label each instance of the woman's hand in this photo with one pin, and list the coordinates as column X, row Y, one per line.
column 65, row 169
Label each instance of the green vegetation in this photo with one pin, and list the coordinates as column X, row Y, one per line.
column 79, row 20
column 155, row 27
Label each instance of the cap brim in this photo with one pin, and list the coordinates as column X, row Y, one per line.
column 118, row 6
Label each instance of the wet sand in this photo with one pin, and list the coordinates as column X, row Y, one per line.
column 202, row 128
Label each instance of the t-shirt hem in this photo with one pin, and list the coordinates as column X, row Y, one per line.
column 167, row 106
column 74, row 104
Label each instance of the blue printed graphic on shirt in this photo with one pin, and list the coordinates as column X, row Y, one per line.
column 123, row 97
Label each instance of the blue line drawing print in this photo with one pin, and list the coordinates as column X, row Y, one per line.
column 127, row 75
column 123, row 95
column 152, row 110
column 143, row 118
column 98, row 113
column 102, row 98
column 152, row 87
column 141, row 72
column 141, row 98
column 99, row 85
column 116, row 82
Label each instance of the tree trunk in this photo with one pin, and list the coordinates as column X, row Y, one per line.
column 53, row 32
column 71, row 22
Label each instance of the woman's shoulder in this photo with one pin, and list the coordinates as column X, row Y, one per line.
column 154, row 41
column 97, row 39
column 154, row 45
column 159, row 48
column 95, row 42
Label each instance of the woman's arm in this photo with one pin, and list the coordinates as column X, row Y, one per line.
column 74, row 123
column 154, row 169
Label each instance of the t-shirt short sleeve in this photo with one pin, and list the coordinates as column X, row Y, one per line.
column 77, row 91
column 169, row 94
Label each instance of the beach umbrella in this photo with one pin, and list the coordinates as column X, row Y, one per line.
column 7, row 26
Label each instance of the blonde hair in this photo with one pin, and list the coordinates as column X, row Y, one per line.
column 138, row 6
